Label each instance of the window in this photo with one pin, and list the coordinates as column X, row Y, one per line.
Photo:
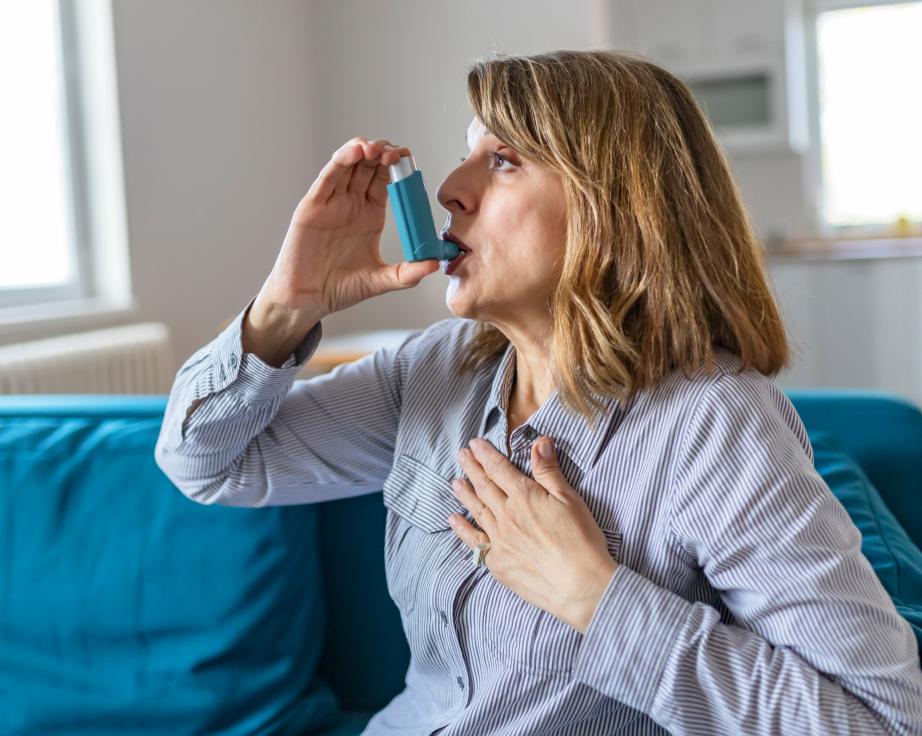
column 63, row 243
column 868, row 114
column 37, row 233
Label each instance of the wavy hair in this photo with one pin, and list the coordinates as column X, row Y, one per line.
column 661, row 264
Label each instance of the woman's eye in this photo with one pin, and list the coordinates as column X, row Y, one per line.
column 495, row 157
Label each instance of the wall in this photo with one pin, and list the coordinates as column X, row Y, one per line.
column 231, row 108
column 220, row 130
column 401, row 75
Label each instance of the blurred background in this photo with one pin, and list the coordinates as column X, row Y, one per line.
column 152, row 155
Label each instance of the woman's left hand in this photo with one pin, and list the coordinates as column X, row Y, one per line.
column 545, row 544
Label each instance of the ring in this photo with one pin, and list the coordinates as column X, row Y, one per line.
column 479, row 553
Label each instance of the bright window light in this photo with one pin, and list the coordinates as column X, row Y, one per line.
column 870, row 106
column 35, row 231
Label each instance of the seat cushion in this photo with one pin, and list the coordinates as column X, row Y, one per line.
column 893, row 555
column 127, row 608
column 352, row 724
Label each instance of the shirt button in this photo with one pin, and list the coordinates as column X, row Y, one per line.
column 443, row 617
column 530, row 434
column 460, row 682
column 233, row 361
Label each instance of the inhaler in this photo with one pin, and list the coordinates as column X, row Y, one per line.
column 415, row 225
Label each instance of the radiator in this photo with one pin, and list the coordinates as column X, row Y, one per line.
column 132, row 359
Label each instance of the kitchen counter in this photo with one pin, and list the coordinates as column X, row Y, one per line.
column 848, row 249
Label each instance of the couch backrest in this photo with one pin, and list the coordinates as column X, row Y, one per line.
column 365, row 655
column 127, row 608
column 883, row 432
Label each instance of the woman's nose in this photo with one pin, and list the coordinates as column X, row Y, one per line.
column 452, row 194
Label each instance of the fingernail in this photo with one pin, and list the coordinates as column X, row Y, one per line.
column 546, row 448
column 452, row 520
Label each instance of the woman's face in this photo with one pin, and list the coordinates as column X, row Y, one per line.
column 511, row 214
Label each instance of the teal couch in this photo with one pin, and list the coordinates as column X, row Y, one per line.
column 127, row 608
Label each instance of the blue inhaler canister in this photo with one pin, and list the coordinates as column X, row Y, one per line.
column 415, row 225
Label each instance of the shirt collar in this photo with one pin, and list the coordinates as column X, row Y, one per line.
column 571, row 432
column 500, row 389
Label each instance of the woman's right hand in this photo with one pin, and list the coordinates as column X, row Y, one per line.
column 331, row 257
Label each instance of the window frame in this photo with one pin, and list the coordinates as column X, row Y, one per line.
column 78, row 225
column 100, row 293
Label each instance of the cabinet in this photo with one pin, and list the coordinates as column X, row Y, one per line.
column 670, row 32
column 852, row 323
column 746, row 29
column 745, row 61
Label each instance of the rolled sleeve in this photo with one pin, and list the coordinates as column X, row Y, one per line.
column 239, row 432
column 246, row 375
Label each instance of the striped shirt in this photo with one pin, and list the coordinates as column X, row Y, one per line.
column 742, row 603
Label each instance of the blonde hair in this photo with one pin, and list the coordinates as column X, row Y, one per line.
column 661, row 264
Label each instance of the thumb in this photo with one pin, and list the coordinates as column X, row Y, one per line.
column 545, row 467
column 406, row 274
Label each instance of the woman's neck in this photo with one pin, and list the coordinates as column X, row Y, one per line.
column 532, row 382
column 530, row 389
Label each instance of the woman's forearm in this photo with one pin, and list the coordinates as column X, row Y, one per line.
column 272, row 331
column 677, row 662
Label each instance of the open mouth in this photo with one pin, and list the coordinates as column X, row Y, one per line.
column 449, row 266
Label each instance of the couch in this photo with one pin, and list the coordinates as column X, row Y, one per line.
column 127, row 608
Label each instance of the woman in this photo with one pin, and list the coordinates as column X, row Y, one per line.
column 677, row 565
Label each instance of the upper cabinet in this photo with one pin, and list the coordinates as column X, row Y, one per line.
column 671, row 32
column 743, row 29
column 743, row 59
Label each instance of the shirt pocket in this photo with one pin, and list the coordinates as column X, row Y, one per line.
column 527, row 638
column 420, row 501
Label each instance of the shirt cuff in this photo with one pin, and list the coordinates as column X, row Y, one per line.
column 624, row 650
column 246, row 375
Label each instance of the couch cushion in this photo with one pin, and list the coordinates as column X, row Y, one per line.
column 882, row 432
column 127, row 608
column 894, row 557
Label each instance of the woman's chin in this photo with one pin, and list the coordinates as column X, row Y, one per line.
column 452, row 291
column 459, row 305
